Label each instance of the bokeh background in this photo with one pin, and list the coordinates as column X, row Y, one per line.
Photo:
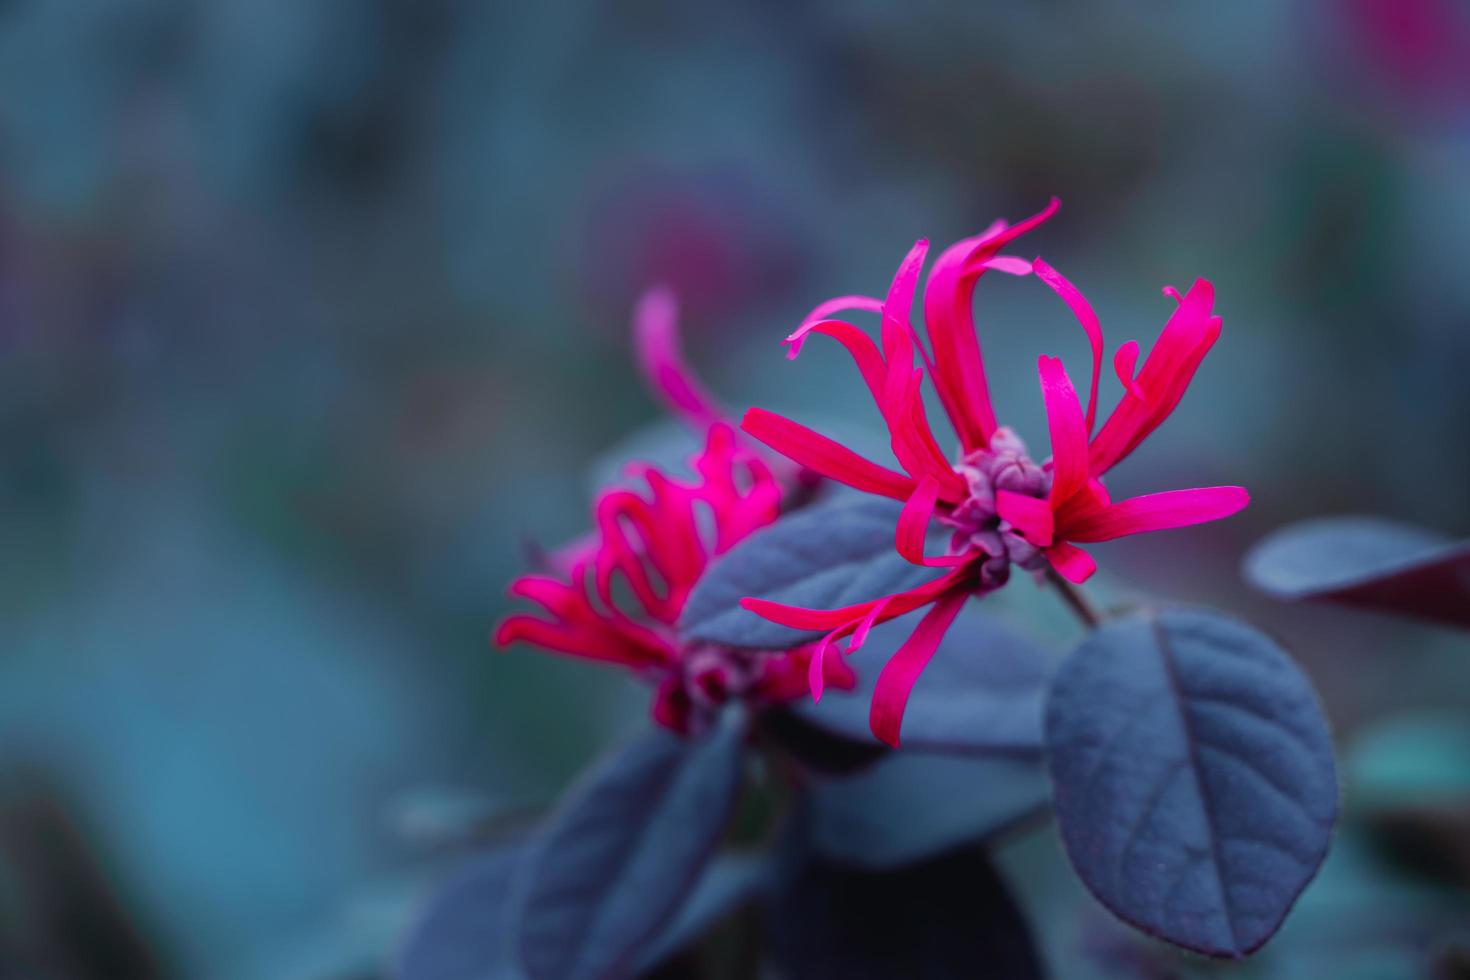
column 313, row 314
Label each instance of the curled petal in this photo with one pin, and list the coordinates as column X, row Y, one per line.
column 822, row 311
column 859, row 345
column 1068, row 430
column 1082, row 310
column 829, row 458
column 958, row 371
column 899, row 305
column 661, row 359
column 1029, row 515
column 913, row 527
column 816, row 668
column 1011, row 265
column 1157, row 512
column 1071, row 562
column 846, row 620
column 1125, row 362
column 590, row 638
column 1188, row 336
column 860, row 635
column 913, row 520
column 896, row 680
column 912, row 440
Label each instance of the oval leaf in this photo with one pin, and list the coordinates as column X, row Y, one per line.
column 1368, row 562
column 1193, row 777
column 946, row 919
column 617, row 859
column 726, row 885
column 981, row 694
column 463, row 933
column 910, row 807
column 831, row 554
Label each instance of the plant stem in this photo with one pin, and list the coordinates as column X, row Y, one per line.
column 1076, row 599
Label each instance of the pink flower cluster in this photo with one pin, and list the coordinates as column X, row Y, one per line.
column 618, row 594
column 998, row 505
column 1002, row 507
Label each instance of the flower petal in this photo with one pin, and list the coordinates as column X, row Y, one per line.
column 816, row 668
column 1082, row 310
column 899, row 305
column 1125, row 363
column 848, row 619
column 829, row 458
column 1011, row 265
column 913, row 527
column 1030, row 515
column 1157, row 512
column 859, row 345
column 868, row 304
column 1068, row 430
column 896, row 680
column 1071, row 562
column 1188, row 336
column 661, row 359
column 913, row 520
column 958, row 370
column 912, row 440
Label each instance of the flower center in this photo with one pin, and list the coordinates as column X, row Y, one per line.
column 1004, row 465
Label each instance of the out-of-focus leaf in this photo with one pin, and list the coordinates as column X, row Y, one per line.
column 726, row 884
column 1368, row 562
column 912, row 806
column 463, row 934
column 625, row 848
column 1194, row 780
column 828, row 555
column 946, row 919
column 982, row 693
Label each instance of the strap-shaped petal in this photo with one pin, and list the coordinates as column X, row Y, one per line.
column 1188, row 336
column 1068, row 430
column 1082, row 310
column 1125, row 363
column 827, row 457
column 1156, row 512
column 1031, row 516
column 1071, row 562
column 896, row 680
column 661, row 359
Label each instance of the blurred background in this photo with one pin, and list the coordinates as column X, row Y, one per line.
column 313, row 314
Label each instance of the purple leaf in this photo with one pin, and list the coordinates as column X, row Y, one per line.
column 825, row 556
column 1193, row 777
column 463, row 934
column 1368, row 562
column 615, row 861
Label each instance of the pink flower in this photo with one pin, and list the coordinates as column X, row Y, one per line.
column 616, row 595
column 1001, row 507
